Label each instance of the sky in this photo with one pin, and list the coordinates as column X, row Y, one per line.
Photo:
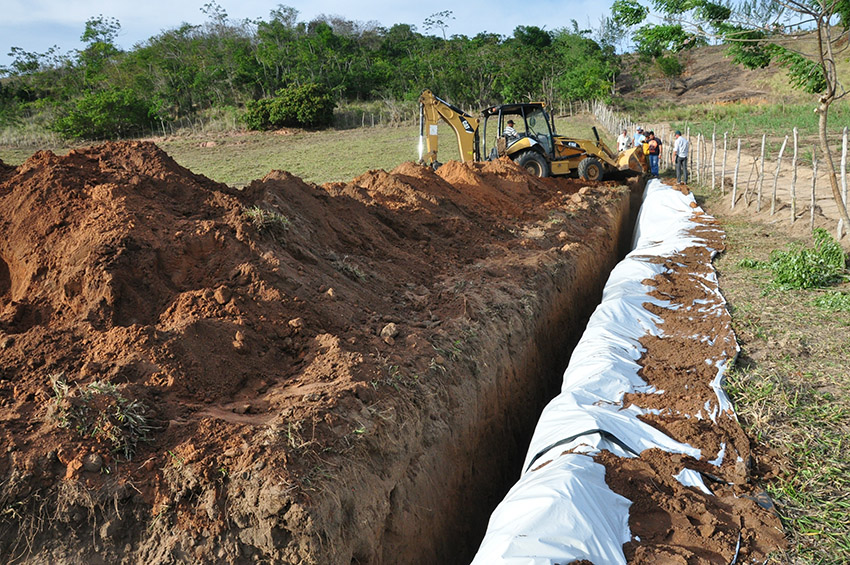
column 37, row 25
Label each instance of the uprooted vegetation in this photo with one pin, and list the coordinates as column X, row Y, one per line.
column 801, row 267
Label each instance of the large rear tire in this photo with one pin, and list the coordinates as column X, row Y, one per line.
column 534, row 163
column 590, row 168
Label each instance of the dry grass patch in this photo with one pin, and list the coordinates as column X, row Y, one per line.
column 791, row 388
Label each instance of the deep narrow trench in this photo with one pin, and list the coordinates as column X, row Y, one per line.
column 558, row 336
column 470, row 471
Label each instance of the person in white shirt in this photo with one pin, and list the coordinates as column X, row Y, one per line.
column 639, row 137
column 680, row 156
column 510, row 132
column 623, row 141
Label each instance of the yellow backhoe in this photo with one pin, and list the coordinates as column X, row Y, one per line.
column 532, row 143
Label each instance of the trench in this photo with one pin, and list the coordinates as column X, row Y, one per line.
column 5, row 282
column 477, row 467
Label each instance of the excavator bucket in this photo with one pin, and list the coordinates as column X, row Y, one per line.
column 632, row 160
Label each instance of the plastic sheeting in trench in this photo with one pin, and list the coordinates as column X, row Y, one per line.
column 563, row 511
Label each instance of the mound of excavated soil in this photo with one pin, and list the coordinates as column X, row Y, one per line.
column 305, row 385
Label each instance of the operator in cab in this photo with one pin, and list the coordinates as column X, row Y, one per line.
column 510, row 132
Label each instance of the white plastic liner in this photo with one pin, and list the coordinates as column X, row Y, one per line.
column 561, row 510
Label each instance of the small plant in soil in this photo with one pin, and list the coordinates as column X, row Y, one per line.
column 801, row 267
column 347, row 267
column 834, row 301
column 99, row 410
column 267, row 221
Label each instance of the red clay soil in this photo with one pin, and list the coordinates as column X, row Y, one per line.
column 672, row 523
column 319, row 388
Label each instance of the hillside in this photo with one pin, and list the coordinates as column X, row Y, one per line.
column 710, row 76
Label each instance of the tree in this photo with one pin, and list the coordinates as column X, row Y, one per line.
column 439, row 20
column 99, row 36
column 758, row 32
column 582, row 68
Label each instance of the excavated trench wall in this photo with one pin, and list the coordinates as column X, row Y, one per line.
column 420, row 493
column 425, row 492
column 439, row 510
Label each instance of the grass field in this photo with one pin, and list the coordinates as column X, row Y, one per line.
column 791, row 388
column 316, row 156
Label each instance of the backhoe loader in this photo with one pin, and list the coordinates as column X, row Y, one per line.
column 536, row 147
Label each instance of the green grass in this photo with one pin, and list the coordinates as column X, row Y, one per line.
column 315, row 156
column 742, row 119
column 834, row 301
column 791, row 390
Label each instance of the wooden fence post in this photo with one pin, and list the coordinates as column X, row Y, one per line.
column 699, row 154
column 735, row 178
column 814, row 181
column 713, row 162
column 723, row 167
column 776, row 176
column 761, row 174
column 844, row 166
column 753, row 169
column 669, row 154
column 794, row 181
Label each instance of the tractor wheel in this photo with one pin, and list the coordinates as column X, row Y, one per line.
column 591, row 169
column 534, row 163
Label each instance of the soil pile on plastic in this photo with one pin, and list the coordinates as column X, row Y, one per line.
column 672, row 523
column 259, row 341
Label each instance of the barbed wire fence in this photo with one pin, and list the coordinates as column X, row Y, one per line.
column 703, row 166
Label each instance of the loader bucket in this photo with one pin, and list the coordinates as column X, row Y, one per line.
column 632, row 160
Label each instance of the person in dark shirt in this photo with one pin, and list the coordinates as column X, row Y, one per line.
column 654, row 152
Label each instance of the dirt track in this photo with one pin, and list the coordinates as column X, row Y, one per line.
column 356, row 384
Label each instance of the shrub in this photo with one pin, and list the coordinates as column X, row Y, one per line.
column 99, row 410
column 307, row 105
column 104, row 114
column 670, row 66
column 816, row 267
column 267, row 221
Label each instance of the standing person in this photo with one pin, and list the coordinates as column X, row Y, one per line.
column 654, row 152
column 639, row 137
column 623, row 141
column 680, row 156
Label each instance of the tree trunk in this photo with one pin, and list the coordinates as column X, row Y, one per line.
column 823, row 110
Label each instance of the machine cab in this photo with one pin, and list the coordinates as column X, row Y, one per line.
column 533, row 126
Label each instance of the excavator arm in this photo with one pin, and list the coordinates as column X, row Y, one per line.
column 431, row 110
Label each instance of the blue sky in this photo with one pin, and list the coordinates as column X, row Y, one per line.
column 36, row 25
